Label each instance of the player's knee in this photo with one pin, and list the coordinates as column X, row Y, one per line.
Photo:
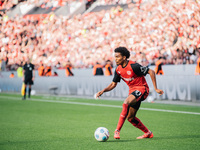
column 131, row 100
column 130, row 118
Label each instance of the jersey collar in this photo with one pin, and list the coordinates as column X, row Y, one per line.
column 126, row 64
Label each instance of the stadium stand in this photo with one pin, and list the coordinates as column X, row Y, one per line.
column 149, row 28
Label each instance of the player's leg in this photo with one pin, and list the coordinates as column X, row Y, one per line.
column 130, row 100
column 136, row 121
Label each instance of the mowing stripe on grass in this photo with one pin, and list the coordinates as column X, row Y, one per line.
column 102, row 105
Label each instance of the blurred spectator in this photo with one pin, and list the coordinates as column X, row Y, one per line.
column 197, row 70
column 2, row 65
column 105, row 2
column 167, row 27
column 47, row 70
column 158, row 68
column 55, row 74
column 68, row 69
column 41, row 70
column 20, row 71
column 98, row 69
column 108, row 68
column 12, row 75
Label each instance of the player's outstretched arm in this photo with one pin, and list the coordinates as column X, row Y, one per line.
column 153, row 78
column 108, row 88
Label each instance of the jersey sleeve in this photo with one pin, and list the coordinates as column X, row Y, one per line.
column 116, row 77
column 139, row 70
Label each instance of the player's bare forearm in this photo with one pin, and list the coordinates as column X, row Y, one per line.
column 108, row 88
column 153, row 79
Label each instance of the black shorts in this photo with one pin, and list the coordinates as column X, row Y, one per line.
column 28, row 81
column 140, row 96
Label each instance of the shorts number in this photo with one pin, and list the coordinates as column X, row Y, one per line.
column 138, row 93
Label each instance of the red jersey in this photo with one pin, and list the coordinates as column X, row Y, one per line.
column 133, row 74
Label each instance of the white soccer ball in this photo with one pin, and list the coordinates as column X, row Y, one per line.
column 101, row 134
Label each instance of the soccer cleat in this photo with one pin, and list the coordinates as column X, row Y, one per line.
column 146, row 135
column 117, row 134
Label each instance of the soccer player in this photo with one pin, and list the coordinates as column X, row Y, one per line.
column 28, row 76
column 133, row 74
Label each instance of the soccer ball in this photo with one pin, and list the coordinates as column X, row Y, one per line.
column 101, row 134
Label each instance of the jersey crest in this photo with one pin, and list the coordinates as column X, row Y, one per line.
column 129, row 72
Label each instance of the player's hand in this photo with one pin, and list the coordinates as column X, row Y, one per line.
column 160, row 92
column 99, row 94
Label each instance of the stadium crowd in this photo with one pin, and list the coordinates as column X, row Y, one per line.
column 7, row 4
column 164, row 28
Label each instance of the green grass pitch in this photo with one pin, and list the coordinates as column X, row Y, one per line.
column 62, row 123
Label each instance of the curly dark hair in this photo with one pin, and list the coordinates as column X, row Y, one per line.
column 123, row 51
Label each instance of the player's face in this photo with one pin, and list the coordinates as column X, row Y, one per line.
column 119, row 59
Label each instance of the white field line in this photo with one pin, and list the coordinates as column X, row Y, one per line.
column 102, row 105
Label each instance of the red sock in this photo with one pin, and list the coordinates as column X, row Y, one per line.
column 122, row 116
column 138, row 124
